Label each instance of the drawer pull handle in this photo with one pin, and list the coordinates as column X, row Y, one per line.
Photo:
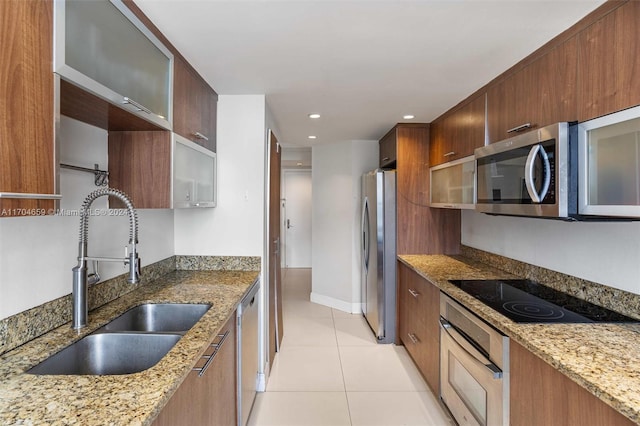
column 385, row 159
column 199, row 135
column 413, row 338
column 449, row 154
column 210, row 358
column 414, row 293
column 520, row 128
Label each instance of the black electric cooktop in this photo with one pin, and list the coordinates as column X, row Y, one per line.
column 528, row 301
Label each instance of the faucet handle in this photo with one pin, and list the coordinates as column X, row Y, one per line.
column 94, row 277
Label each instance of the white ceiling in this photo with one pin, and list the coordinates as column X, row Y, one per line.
column 362, row 64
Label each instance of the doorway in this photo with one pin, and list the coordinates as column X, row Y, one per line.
column 296, row 214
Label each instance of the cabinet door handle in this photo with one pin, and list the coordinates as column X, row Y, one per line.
column 449, row 154
column 414, row 293
column 136, row 105
column 413, row 338
column 385, row 159
column 210, row 358
column 520, row 128
column 199, row 135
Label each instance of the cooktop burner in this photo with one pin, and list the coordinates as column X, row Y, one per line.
column 529, row 301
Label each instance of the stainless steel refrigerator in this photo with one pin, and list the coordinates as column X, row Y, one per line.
column 378, row 250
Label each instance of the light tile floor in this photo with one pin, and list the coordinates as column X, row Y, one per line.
column 330, row 371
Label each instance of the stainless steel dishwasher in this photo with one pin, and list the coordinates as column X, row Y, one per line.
column 247, row 341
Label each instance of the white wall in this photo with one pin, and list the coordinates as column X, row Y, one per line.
column 604, row 252
column 236, row 226
column 37, row 253
column 336, row 171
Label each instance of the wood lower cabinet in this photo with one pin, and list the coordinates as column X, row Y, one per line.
column 608, row 63
column 418, row 319
column 210, row 399
column 457, row 133
column 194, row 106
column 415, row 218
column 542, row 93
column 26, row 101
column 541, row 395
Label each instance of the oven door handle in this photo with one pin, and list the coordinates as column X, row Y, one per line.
column 464, row 344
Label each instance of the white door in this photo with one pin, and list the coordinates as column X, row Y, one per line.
column 296, row 193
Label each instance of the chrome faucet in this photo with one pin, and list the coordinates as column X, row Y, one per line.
column 81, row 279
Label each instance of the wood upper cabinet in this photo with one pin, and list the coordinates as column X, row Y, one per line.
column 209, row 399
column 26, row 101
column 140, row 165
column 457, row 133
column 388, row 145
column 194, row 106
column 608, row 63
column 414, row 217
column 542, row 93
column 418, row 319
column 541, row 395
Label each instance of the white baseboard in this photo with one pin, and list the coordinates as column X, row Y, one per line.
column 351, row 308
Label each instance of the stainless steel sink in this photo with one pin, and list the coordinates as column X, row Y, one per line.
column 158, row 317
column 109, row 353
column 133, row 342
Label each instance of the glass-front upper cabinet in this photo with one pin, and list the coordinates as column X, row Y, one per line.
column 609, row 157
column 453, row 184
column 102, row 47
column 193, row 175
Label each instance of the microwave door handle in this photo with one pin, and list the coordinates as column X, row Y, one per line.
column 528, row 173
column 547, row 173
column 469, row 349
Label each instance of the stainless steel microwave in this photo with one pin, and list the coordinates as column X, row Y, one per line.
column 531, row 174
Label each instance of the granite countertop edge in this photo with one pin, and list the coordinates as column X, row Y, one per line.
column 598, row 357
column 130, row 399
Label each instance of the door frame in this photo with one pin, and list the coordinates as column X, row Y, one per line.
column 273, row 327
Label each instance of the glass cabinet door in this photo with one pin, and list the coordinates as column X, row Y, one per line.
column 104, row 48
column 194, row 175
column 610, row 165
column 453, row 185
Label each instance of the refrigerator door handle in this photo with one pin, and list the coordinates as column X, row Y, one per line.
column 365, row 234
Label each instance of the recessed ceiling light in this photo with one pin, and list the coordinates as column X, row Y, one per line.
column 314, row 115
column 311, row 137
column 299, row 164
column 408, row 117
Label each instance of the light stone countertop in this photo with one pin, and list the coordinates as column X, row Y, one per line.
column 131, row 399
column 602, row 358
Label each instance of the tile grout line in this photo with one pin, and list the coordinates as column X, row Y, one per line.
column 344, row 384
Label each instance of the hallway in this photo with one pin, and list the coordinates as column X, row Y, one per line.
column 330, row 371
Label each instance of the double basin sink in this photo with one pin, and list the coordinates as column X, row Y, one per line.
column 133, row 342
